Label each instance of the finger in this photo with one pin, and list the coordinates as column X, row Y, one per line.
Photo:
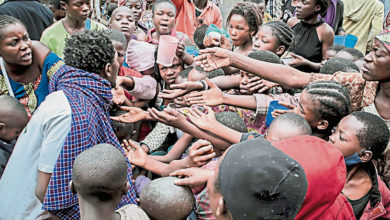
column 288, row 105
column 115, row 118
column 200, row 143
column 206, row 157
column 254, row 79
column 210, row 84
column 178, row 86
column 200, row 149
column 293, row 55
column 196, row 102
column 255, row 88
column 126, row 108
column 263, row 89
column 195, row 94
column 192, row 99
column 193, row 112
column 184, row 182
column 182, row 172
column 134, row 145
column 199, row 112
column 153, row 115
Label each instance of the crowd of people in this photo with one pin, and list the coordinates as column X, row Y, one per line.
column 160, row 109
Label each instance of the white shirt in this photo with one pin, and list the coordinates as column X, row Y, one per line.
column 37, row 148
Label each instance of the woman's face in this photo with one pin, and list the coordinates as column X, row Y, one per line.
column 15, row 45
column 266, row 40
column 239, row 30
column 377, row 63
column 78, row 9
column 164, row 18
column 345, row 137
column 306, row 9
column 136, row 7
column 123, row 21
column 169, row 74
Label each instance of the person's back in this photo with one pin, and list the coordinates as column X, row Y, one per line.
column 33, row 14
column 361, row 17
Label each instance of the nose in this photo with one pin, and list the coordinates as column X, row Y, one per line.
column 331, row 138
column 85, row 7
column 368, row 57
column 256, row 44
column 24, row 45
column 233, row 32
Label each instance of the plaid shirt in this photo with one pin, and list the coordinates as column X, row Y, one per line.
column 89, row 97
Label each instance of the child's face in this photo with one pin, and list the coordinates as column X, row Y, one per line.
column 244, row 83
column 136, row 7
column 169, row 74
column 345, row 137
column 307, row 108
column 328, row 54
column 120, row 49
column 265, row 40
column 78, row 9
column 239, row 30
column 10, row 131
column 164, row 18
column 123, row 21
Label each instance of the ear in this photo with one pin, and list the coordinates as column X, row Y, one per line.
column 63, row 5
column 2, row 127
column 71, row 187
column 107, row 70
column 322, row 125
column 317, row 8
column 125, row 188
column 366, row 156
column 280, row 50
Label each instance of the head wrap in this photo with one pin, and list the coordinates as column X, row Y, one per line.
column 384, row 37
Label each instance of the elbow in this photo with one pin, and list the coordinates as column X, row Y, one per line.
column 40, row 193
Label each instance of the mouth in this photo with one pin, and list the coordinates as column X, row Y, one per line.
column 164, row 26
column 27, row 56
column 365, row 69
column 125, row 29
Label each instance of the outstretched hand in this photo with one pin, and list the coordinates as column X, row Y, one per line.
column 211, row 97
column 298, row 60
column 278, row 112
column 134, row 153
column 213, row 58
column 192, row 176
column 118, row 94
column 200, row 153
column 134, row 115
column 215, row 39
column 169, row 117
column 200, row 119
column 181, row 89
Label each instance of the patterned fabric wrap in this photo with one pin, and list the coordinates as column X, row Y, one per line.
column 384, row 37
column 32, row 94
column 89, row 97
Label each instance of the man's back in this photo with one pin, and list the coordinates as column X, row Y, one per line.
column 33, row 14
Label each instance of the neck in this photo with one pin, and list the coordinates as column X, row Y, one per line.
column 311, row 19
column 97, row 212
column 21, row 74
column 384, row 90
column 247, row 46
column 321, row 135
column 74, row 24
column 201, row 4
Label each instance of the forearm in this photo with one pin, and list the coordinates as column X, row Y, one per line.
column 314, row 66
column 177, row 150
column 284, row 75
column 143, row 88
column 187, row 58
column 243, row 101
column 225, row 132
column 155, row 166
column 227, row 82
column 173, row 166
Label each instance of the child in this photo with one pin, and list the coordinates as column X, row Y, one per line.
column 56, row 8
column 141, row 31
column 76, row 20
column 122, row 19
column 337, row 64
column 331, row 52
column 99, row 179
column 362, row 138
column 199, row 35
column 162, row 199
column 350, row 54
column 13, row 118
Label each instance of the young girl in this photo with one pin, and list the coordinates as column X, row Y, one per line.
column 140, row 32
column 122, row 19
column 26, row 66
column 312, row 36
column 274, row 36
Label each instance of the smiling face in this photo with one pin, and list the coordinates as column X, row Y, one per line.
column 135, row 7
column 123, row 20
column 266, row 40
column 15, row 45
column 377, row 63
column 345, row 136
column 239, row 30
column 164, row 18
column 78, row 9
column 169, row 74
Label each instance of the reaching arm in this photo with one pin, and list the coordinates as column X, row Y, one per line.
column 177, row 150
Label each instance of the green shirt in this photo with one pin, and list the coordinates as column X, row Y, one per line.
column 55, row 35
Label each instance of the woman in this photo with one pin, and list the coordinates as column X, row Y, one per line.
column 312, row 36
column 26, row 66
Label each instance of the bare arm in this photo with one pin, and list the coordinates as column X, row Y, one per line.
column 177, row 150
column 42, row 183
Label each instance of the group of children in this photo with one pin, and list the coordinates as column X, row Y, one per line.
column 261, row 120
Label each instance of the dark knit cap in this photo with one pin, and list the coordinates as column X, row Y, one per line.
column 259, row 181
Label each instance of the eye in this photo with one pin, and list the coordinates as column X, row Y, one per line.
column 341, row 138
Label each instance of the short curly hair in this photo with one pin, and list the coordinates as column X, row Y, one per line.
column 249, row 11
column 89, row 51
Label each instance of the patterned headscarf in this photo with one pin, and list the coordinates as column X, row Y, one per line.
column 89, row 97
column 384, row 37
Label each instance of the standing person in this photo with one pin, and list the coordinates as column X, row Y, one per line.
column 28, row 65
column 57, row 9
column 33, row 14
column 363, row 19
column 312, row 36
column 193, row 13
column 136, row 6
column 73, row 118
column 76, row 20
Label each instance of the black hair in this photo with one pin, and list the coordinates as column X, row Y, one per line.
column 332, row 100
column 116, row 36
column 324, row 4
column 355, row 53
column 282, row 32
column 199, row 35
column 110, row 8
column 374, row 135
column 294, row 120
column 99, row 172
column 56, row 3
column 336, row 47
column 264, row 55
column 6, row 20
column 231, row 120
column 336, row 64
column 249, row 11
column 8, row 105
column 215, row 73
column 185, row 72
column 89, row 51
column 157, row 2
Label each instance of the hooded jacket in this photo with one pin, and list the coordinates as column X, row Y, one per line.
column 361, row 17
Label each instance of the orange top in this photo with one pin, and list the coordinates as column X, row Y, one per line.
column 186, row 20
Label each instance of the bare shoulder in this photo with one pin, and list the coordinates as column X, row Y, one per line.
column 40, row 51
column 293, row 21
column 325, row 32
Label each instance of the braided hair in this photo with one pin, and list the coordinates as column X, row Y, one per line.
column 283, row 32
column 249, row 11
column 332, row 99
column 6, row 20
